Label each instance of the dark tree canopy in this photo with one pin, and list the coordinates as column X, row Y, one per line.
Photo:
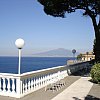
column 58, row 8
column 91, row 8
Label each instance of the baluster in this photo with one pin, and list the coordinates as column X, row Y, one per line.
column 0, row 84
column 55, row 77
column 4, row 84
column 8, row 86
column 50, row 78
column 31, row 83
column 42, row 78
column 39, row 82
column 45, row 79
column 24, row 89
column 35, row 83
column 23, row 86
column 26, row 85
column 13, row 85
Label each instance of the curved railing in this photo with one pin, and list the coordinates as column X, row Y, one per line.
column 17, row 86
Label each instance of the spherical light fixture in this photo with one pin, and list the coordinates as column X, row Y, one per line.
column 19, row 43
column 73, row 51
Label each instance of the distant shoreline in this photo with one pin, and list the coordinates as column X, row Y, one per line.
column 38, row 57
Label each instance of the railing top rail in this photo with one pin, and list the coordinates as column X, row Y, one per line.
column 43, row 71
column 78, row 63
column 37, row 71
column 9, row 75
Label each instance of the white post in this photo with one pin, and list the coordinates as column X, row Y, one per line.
column 8, row 85
column 19, row 43
column 18, row 87
column 19, row 61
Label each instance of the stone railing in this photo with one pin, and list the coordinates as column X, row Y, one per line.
column 17, row 86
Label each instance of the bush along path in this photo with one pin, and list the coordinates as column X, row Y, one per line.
column 95, row 73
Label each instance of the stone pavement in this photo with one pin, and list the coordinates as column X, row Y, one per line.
column 76, row 88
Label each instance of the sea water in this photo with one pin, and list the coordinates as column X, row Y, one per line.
column 10, row 64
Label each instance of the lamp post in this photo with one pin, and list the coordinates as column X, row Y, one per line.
column 73, row 51
column 19, row 44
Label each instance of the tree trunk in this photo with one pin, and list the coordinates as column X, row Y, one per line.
column 97, row 37
column 97, row 49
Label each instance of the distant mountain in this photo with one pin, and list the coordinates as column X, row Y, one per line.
column 61, row 52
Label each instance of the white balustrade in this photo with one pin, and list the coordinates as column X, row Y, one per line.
column 17, row 86
column 8, row 86
column 4, row 85
column 13, row 85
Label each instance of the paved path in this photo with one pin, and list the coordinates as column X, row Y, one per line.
column 45, row 95
column 76, row 88
column 77, row 91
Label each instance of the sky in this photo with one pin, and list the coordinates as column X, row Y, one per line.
column 26, row 19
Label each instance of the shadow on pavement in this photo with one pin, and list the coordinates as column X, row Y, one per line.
column 88, row 97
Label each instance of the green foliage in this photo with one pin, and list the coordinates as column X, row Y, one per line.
column 95, row 73
column 79, row 57
column 58, row 8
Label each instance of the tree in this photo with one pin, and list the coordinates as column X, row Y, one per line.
column 91, row 8
column 94, row 46
column 79, row 57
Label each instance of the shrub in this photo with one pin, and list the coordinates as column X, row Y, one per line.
column 95, row 73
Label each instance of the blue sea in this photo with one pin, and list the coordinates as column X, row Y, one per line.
column 10, row 64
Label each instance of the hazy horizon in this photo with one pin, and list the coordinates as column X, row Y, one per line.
column 26, row 19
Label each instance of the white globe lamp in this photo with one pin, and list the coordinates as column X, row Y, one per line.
column 19, row 44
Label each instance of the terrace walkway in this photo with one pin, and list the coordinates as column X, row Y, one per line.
column 76, row 88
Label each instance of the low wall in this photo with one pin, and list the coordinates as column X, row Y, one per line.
column 17, row 86
column 72, row 68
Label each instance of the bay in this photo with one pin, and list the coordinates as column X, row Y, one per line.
column 10, row 64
